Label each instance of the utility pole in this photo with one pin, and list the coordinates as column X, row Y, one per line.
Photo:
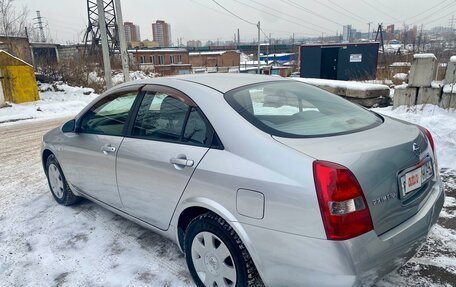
column 369, row 31
column 40, row 26
column 259, row 30
column 238, row 37
column 420, row 37
column 104, row 44
column 122, row 42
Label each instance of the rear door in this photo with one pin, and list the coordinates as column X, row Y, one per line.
column 168, row 138
column 89, row 157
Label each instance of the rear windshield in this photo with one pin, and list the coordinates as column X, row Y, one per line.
column 295, row 109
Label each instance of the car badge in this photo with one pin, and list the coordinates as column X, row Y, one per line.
column 416, row 149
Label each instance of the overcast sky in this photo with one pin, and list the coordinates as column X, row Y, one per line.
column 204, row 20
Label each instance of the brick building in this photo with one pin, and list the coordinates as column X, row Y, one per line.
column 166, row 62
column 215, row 59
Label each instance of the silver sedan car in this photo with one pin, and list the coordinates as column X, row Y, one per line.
column 258, row 179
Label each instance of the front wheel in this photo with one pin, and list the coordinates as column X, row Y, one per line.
column 216, row 256
column 58, row 184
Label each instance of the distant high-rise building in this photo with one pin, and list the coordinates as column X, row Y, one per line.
column 347, row 33
column 162, row 33
column 194, row 43
column 132, row 32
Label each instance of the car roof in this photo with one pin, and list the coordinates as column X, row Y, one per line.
column 222, row 82
column 225, row 82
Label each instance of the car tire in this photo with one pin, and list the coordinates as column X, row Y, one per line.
column 215, row 253
column 58, row 184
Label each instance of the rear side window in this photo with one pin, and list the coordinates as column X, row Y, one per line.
column 160, row 117
column 163, row 117
column 294, row 109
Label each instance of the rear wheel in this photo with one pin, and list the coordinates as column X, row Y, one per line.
column 58, row 184
column 216, row 255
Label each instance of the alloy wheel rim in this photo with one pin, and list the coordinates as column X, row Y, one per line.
column 56, row 181
column 213, row 261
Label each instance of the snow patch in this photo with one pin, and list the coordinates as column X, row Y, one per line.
column 424, row 56
column 55, row 101
column 449, row 89
column 358, row 86
column 400, row 76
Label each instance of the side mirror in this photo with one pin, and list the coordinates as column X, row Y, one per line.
column 69, row 127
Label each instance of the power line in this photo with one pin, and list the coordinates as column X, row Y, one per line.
column 210, row 8
column 440, row 17
column 239, row 17
column 278, row 16
column 442, row 9
column 341, row 7
column 380, row 10
column 296, row 5
column 427, row 10
column 286, row 14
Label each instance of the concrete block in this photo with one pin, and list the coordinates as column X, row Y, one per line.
column 448, row 101
column 368, row 93
column 450, row 73
column 405, row 96
column 428, row 96
column 349, row 88
column 423, row 71
column 371, row 102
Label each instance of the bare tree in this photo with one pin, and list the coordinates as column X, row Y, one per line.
column 12, row 21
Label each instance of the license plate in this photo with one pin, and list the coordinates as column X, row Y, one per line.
column 414, row 179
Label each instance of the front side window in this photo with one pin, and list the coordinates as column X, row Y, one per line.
column 294, row 109
column 108, row 116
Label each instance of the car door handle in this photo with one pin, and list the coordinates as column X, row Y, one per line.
column 108, row 149
column 182, row 162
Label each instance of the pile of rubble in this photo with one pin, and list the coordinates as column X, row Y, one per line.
column 422, row 87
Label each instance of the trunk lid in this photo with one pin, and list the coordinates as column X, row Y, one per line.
column 378, row 158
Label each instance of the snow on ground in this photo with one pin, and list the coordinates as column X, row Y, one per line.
column 57, row 100
column 45, row 244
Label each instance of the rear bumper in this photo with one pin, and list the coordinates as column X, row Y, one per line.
column 284, row 259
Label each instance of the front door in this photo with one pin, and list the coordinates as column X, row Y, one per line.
column 329, row 58
column 89, row 158
column 155, row 162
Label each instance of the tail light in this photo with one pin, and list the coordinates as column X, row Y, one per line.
column 431, row 142
column 342, row 203
column 429, row 137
